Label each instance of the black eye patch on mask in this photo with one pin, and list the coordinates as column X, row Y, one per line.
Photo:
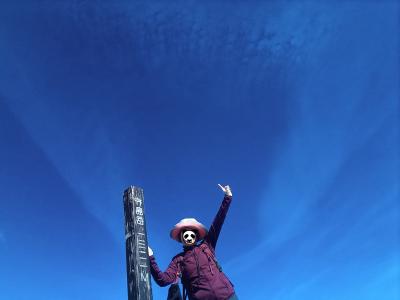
column 186, row 235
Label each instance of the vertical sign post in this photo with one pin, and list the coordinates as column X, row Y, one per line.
column 137, row 260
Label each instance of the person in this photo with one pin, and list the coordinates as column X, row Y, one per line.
column 201, row 275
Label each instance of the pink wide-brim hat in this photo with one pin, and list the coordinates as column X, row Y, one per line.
column 190, row 224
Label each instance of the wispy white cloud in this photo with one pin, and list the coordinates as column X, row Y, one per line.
column 89, row 163
column 331, row 124
column 94, row 160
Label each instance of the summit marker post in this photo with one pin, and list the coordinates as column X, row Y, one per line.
column 137, row 259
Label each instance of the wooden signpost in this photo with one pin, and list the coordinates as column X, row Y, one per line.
column 137, row 260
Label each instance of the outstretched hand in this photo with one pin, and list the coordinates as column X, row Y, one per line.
column 226, row 189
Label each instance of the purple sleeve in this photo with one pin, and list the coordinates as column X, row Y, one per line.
column 215, row 228
column 164, row 278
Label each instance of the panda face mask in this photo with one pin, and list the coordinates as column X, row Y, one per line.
column 188, row 238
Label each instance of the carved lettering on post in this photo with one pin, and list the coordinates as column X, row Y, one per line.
column 137, row 260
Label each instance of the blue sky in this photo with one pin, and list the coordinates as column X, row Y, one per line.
column 294, row 104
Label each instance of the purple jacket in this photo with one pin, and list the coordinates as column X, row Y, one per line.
column 200, row 274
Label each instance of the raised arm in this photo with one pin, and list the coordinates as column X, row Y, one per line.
column 215, row 228
column 164, row 278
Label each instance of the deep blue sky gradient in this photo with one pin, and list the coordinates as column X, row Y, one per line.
column 294, row 104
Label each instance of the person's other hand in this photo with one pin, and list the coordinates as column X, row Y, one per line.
column 226, row 189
